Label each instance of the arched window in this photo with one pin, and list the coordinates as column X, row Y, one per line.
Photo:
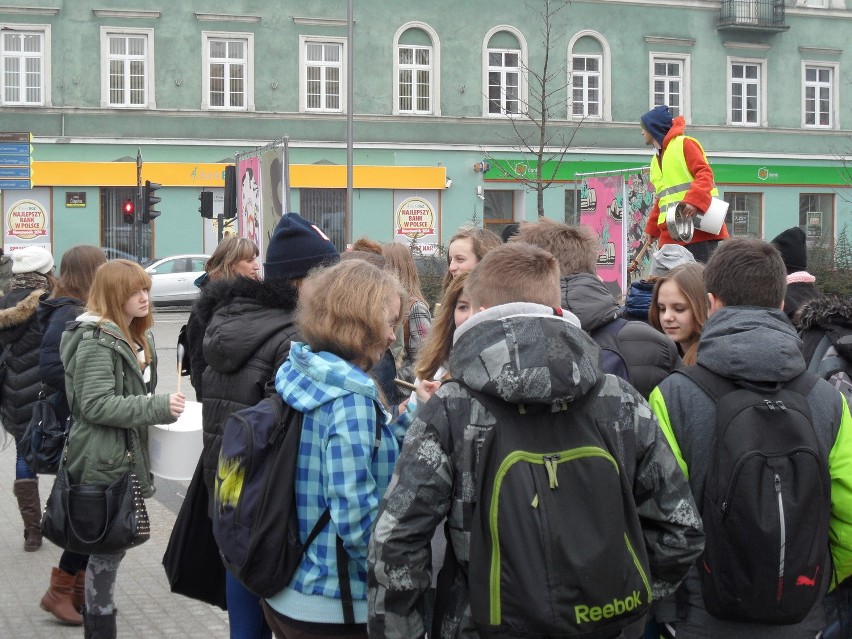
column 589, row 76
column 504, row 64
column 416, row 70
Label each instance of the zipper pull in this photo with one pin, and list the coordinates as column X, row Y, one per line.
column 780, row 405
column 550, row 462
column 769, row 405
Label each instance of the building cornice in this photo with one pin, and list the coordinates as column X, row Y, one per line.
column 226, row 17
column 126, row 13
column 752, row 46
column 320, row 22
column 675, row 42
column 30, row 11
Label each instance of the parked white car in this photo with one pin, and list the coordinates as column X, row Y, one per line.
column 173, row 278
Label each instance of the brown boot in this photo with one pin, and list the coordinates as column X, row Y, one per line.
column 58, row 598
column 29, row 503
column 78, row 597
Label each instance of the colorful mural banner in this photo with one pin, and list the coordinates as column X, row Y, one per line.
column 271, row 189
column 616, row 208
column 249, row 203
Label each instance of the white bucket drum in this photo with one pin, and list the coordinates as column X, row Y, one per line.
column 174, row 449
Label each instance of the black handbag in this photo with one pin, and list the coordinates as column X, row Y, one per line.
column 192, row 562
column 44, row 437
column 92, row 519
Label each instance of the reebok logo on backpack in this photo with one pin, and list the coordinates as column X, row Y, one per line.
column 556, row 547
column 767, row 502
column 254, row 515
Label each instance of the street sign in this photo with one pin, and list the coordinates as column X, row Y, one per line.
column 15, row 161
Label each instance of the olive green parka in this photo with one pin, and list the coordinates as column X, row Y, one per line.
column 108, row 397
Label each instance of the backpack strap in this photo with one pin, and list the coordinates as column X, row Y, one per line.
column 819, row 352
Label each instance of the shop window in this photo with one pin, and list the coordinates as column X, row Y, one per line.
column 572, row 207
column 325, row 208
column 745, row 214
column 816, row 219
column 122, row 240
column 498, row 211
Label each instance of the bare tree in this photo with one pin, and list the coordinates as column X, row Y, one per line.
column 533, row 129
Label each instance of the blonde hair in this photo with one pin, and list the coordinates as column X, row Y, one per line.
column 400, row 261
column 342, row 310
column 114, row 282
column 481, row 241
column 515, row 272
column 77, row 270
column 230, row 252
column 576, row 248
column 435, row 351
column 689, row 280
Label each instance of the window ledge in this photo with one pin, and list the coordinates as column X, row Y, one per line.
column 32, row 11
column 225, row 17
column 120, row 13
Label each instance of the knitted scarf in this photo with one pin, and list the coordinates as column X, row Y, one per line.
column 30, row 281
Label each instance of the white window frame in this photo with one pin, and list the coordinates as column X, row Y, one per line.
column 523, row 66
column 834, row 113
column 761, row 91
column 303, row 72
column 685, row 61
column 25, row 29
column 150, row 98
column 586, row 75
column 248, row 88
column 606, row 75
column 434, row 69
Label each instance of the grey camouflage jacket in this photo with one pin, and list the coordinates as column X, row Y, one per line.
column 521, row 353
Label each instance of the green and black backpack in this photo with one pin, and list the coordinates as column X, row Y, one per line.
column 556, row 546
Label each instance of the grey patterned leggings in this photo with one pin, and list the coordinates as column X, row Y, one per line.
column 100, row 583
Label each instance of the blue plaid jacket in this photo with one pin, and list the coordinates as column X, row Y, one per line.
column 337, row 469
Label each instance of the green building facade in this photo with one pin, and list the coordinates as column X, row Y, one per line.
column 452, row 89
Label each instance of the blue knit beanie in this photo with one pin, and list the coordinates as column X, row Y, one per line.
column 297, row 246
column 657, row 122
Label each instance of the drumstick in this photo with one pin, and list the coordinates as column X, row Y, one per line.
column 180, row 352
column 404, row 384
column 634, row 264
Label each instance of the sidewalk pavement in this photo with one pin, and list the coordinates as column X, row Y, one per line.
column 146, row 607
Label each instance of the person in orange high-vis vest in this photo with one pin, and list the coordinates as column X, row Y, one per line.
column 679, row 173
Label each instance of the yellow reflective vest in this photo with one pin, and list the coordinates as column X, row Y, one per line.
column 673, row 179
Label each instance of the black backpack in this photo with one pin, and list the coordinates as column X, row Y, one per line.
column 556, row 547
column 612, row 361
column 767, row 502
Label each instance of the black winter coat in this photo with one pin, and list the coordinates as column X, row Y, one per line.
column 250, row 325
column 22, row 383
column 53, row 315
column 650, row 355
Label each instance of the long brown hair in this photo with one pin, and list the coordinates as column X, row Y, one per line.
column 436, row 349
column 689, row 280
column 230, row 252
column 481, row 241
column 400, row 261
column 113, row 284
column 77, row 270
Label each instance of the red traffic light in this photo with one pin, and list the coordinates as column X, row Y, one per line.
column 128, row 207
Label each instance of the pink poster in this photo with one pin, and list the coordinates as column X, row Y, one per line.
column 249, row 212
column 602, row 208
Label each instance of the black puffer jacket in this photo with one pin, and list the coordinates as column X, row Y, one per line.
column 821, row 316
column 250, row 325
column 53, row 315
column 650, row 356
column 20, row 388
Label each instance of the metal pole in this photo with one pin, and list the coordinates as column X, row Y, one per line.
column 286, row 178
column 349, row 108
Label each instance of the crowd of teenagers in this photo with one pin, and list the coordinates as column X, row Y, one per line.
column 559, row 468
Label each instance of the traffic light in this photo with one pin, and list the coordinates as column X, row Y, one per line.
column 206, row 208
column 149, row 201
column 128, row 208
column 230, row 207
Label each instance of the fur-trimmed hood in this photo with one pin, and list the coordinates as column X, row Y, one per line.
column 825, row 310
column 274, row 293
column 20, row 306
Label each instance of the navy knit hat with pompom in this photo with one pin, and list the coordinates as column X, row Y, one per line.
column 297, row 246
